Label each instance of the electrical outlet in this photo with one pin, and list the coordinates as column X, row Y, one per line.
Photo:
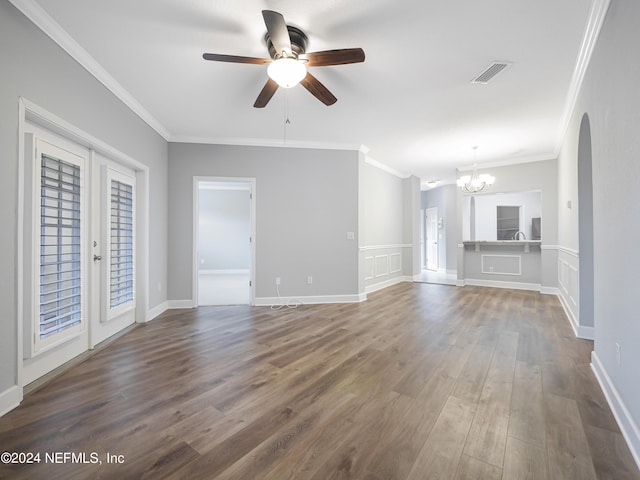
column 277, row 280
column 618, row 354
column 309, row 280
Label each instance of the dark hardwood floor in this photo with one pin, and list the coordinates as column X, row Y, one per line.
column 421, row 381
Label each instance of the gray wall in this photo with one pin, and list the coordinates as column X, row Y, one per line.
column 611, row 98
column 37, row 69
column 444, row 198
column 224, row 230
column 306, row 202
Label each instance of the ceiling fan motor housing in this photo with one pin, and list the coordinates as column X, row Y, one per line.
column 299, row 41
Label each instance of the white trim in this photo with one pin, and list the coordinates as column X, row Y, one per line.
column 476, row 282
column 180, row 304
column 384, row 247
column 549, row 290
column 311, row 300
column 628, row 426
column 19, row 263
column 157, row 311
column 543, row 157
column 381, row 273
column 250, row 182
column 559, row 248
column 239, row 271
column 10, row 399
column 391, row 258
column 385, row 168
column 388, row 283
column 33, row 117
column 482, row 270
column 569, row 313
column 595, row 21
column 50, row 27
column 265, row 142
column 370, row 272
column 461, row 282
column 44, row 118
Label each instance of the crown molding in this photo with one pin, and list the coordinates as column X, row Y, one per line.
column 385, row 168
column 599, row 9
column 265, row 142
column 41, row 19
column 512, row 161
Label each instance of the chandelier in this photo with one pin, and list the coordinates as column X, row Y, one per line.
column 475, row 183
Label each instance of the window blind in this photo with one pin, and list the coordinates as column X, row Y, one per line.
column 121, row 281
column 60, row 251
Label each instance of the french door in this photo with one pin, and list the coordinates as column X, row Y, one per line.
column 113, row 253
column 80, row 286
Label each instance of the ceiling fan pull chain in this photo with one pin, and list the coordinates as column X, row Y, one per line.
column 286, row 115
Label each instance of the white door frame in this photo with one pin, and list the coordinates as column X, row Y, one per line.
column 251, row 183
column 431, row 213
column 29, row 114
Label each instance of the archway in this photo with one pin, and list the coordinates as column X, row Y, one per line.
column 585, row 223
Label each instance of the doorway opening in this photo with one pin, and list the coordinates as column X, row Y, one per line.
column 224, row 241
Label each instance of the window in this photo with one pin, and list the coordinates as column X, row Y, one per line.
column 121, row 262
column 120, row 243
column 60, row 288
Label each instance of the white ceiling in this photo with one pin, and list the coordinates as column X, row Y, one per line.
column 410, row 103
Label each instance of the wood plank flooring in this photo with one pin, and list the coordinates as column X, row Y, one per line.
column 421, row 381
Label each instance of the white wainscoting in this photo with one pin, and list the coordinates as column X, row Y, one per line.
column 569, row 290
column 369, row 268
column 395, row 262
column 383, row 266
column 501, row 264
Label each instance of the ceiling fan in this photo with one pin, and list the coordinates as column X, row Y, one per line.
column 289, row 60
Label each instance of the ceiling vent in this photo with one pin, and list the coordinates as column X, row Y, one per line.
column 490, row 72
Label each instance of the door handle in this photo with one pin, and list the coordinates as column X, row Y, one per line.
column 97, row 257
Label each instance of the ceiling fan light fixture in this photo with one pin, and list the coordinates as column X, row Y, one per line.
column 287, row 72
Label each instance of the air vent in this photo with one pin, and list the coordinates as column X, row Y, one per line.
column 490, row 72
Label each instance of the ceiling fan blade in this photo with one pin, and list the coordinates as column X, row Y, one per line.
column 235, row 59
column 318, row 90
column 278, row 32
column 342, row 56
column 265, row 95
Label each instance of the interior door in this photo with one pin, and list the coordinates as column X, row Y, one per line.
column 113, row 244
column 431, row 215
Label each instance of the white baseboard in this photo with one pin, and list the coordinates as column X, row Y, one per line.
column 309, row 300
column 476, row 282
column 586, row 333
column 10, row 399
column 225, row 272
column 178, row 304
column 387, row 283
column 460, row 283
column 628, row 426
column 549, row 291
column 157, row 310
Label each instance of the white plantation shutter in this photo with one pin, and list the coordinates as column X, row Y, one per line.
column 60, row 262
column 121, row 277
